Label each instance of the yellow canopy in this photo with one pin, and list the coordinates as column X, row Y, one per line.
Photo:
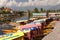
column 12, row 36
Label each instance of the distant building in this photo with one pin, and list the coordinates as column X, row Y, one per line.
column 52, row 15
column 26, row 14
column 39, row 15
column 58, row 14
column 1, row 8
column 7, row 9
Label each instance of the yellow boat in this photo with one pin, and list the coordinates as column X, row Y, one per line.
column 13, row 36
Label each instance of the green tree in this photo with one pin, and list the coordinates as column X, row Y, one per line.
column 29, row 14
column 36, row 10
column 2, row 7
column 47, row 13
column 20, row 13
column 58, row 10
column 41, row 9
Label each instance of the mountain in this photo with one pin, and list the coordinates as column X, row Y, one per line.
column 31, row 8
column 39, row 7
column 55, row 7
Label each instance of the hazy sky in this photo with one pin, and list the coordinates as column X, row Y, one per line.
column 25, row 3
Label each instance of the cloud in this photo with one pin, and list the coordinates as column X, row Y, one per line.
column 32, row 3
column 52, row 2
column 12, row 3
column 3, row 2
column 28, row 3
